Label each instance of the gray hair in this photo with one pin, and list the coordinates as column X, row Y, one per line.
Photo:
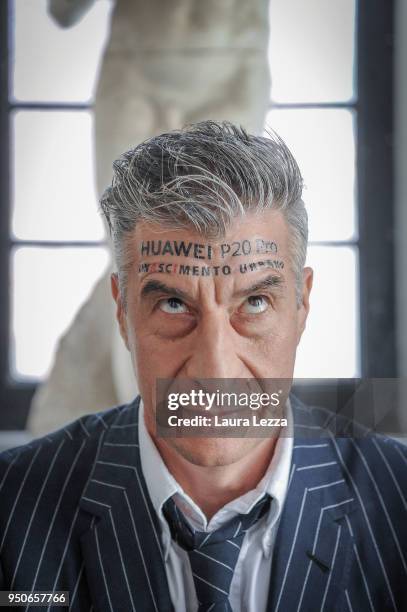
column 202, row 177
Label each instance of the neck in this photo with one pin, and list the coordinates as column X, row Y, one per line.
column 211, row 487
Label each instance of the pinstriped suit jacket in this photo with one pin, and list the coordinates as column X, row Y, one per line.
column 75, row 515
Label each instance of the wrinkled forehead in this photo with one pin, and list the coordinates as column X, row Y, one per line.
column 255, row 248
column 264, row 233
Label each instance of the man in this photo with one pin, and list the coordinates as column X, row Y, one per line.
column 210, row 237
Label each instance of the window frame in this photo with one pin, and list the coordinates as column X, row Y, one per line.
column 374, row 74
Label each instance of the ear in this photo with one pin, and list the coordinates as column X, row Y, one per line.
column 120, row 311
column 303, row 309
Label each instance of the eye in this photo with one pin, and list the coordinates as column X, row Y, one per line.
column 173, row 305
column 255, row 304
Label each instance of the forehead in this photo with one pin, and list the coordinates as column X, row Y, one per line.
column 266, row 231
column 253, row 249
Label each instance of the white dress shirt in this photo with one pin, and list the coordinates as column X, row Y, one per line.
column 250, row 583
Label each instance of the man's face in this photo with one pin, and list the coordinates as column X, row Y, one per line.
column 211, row 309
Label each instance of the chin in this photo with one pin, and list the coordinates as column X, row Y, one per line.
column 211, row 452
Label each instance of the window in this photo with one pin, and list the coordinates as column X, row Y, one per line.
column 314, row 108
column 328, row 78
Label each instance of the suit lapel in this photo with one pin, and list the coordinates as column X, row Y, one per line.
column 122, row 550
column 311, row 557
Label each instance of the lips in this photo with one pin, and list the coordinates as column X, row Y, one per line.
column 190, row 412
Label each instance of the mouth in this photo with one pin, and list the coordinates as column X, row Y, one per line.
column 218, row 411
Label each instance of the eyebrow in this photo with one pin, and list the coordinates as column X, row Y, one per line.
column 154, row 286
column 273, row 281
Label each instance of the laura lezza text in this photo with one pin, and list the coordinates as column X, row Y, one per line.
column 225, row 421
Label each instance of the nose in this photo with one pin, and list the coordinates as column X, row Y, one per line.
column 215, row 350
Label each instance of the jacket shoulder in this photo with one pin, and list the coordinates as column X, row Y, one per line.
column 375, row 465
column 59, row 449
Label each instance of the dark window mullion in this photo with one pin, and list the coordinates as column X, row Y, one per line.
column 57, row 244
column 4, row 186
column 351, row 105
column 334, row 243
column 376, row 187
column 16, row 105
column 15, row 397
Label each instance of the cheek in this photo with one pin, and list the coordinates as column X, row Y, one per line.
column 159, row 342
column 154, row 360
column 279, row 328
column 275, row 344
column 272, row 354
column 157, row 357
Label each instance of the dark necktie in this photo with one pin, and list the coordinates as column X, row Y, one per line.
column 214, row 554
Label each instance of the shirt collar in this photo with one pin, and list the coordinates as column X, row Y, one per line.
column 162, row 485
